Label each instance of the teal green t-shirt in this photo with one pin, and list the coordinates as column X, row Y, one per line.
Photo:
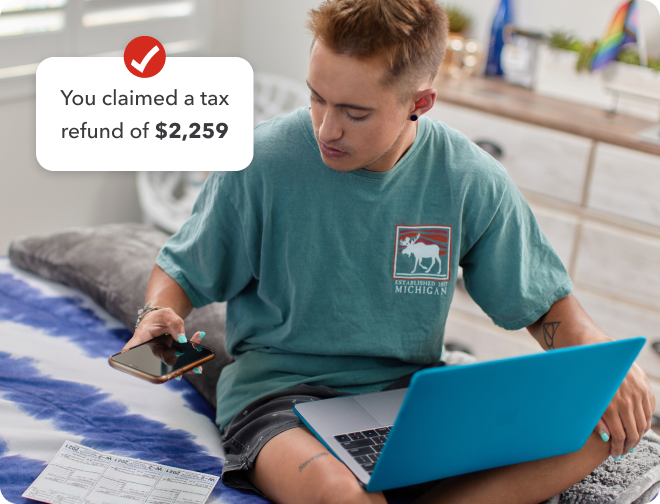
column 345, row 279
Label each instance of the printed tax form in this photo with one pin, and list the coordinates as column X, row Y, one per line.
column 79, row 474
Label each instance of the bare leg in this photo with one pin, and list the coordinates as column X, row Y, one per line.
column 526, row 483
column 294, row 467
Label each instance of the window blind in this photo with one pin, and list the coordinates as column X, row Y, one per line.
column 33, row 30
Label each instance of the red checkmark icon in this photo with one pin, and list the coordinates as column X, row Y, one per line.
column 144, row 57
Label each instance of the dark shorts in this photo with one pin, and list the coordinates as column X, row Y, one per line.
column 268, row 416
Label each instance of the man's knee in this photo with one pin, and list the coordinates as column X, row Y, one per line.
column 295, row 467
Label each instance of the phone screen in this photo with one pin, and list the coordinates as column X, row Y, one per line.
column 162, row 355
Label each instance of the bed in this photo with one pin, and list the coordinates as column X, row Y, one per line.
column 56, row 384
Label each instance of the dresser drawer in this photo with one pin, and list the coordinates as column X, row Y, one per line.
column 622, row 264
column 538, row 159
column 622, row 320
column 626, row 183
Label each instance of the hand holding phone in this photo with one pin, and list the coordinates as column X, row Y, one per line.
column 161, row 359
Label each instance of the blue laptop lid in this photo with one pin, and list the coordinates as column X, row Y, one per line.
column 491, row 414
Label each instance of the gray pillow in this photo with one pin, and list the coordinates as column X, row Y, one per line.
column 112, row 264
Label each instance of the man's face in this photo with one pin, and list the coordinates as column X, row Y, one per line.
column 358, row 122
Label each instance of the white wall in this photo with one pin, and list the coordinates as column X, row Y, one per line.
column 34, row 200
column 274, row 38
column 271, row 35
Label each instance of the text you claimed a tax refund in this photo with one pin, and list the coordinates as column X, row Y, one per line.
column 116, row 98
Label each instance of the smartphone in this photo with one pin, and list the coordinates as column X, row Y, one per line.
column 161, row 359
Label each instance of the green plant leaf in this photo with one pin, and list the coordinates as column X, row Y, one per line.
column 459, row 19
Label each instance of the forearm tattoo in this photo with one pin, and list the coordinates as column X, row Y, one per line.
column 318, row 455
column 549, row 331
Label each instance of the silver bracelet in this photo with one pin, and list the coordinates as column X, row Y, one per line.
column 143, row 311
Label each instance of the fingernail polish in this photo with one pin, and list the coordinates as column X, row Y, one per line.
column 633, row 450
column 616, row 459
column 178, row 354
column 199, row 348
column 196, row 370
column 178, row 378
column 181, row 338
column 604, row 436
column 202, row 334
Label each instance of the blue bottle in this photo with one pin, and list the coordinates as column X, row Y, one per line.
column 503, row 16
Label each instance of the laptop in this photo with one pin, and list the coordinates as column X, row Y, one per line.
column 458, row 419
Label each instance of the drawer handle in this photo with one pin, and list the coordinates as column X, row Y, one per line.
column 491, row 148
column 457, row 347
column 656, row 346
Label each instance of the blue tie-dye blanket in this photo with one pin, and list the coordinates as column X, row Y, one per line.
column 56, row 384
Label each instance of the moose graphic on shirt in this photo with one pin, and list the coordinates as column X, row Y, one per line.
column 422, row 252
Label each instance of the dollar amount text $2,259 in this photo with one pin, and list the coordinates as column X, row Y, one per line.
column 207, row 130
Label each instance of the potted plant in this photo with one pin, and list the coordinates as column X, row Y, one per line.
column 459, row 21
column 565, row 71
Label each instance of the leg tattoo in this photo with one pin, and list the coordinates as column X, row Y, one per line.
column 318, row 455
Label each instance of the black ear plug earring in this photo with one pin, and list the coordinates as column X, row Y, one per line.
column 413, row 117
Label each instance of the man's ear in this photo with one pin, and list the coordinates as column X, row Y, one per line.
column 424, row 101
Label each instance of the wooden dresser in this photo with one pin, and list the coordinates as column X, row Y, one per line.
column 595, row 190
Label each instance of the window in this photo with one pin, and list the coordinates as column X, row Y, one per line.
column 33, row 30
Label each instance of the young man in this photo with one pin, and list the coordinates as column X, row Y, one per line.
column 322, row 248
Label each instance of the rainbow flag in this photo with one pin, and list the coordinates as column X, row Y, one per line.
column 622, row 30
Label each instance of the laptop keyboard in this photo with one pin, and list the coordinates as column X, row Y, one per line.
column 365, row 446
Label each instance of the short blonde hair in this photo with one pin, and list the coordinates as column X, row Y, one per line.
column 409, row 35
